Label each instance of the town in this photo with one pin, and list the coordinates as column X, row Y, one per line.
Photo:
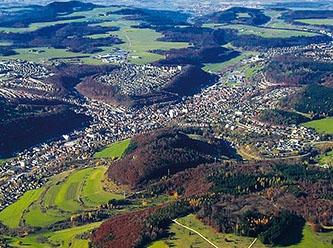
column 231, row 103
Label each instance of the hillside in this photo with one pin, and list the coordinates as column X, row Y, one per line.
column 314, row 99
column 30, row 127
column 188, row 82
column 258, row 199
column 154, row 155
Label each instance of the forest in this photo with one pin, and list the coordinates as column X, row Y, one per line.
column 314, row 99
column 162, row 153
column 23, row 131
column 255, row 17
column 55, row 11
column 264, row 199
column 282, row 117
column 287, row 70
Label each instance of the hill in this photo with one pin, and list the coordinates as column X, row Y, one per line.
column 287, row 70
column 167, row 151
column 258, row 199
column 281, row 117
column 314, row 99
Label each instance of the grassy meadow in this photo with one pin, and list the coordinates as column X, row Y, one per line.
column 62, row 238
column 327, row 21
column 322, row 125
column 115, row 150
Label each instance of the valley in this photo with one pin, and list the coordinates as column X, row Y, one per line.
column 118, row 121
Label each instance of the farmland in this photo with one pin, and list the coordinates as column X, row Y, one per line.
column 65, row 194
column 317, row 21
column 11, row 216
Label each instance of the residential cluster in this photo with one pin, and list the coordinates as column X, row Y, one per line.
column 135, row 80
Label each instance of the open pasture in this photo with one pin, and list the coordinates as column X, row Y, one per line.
column 327, row 21
column 322, row 125
column 268, row 32
column 115, row 150
column 62, row 238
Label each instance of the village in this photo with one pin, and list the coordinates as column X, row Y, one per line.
column 232, row 103
column 136, row 80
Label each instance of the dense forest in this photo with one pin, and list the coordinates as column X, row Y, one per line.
column 55, row 11
column 287, row 70
column 314, row 99
column 255, row 17
column 258, row 199
column 28, row 126
column 163, row 153
column 293, row 15
column 282, row 117
column 60, row 36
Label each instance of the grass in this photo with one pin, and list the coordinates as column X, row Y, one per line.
column 269, row 32
column 11, row 215
column 67, row 198
column 93, row 193
column 65, row 194
column 49, row 53
column 317, row 21
column 183, row 238
column 325, row 158
column 250, row 72
column 62, row 238
column 217, row 67
column 321, row 126
column 141, row 41
column 44, row 218
column 115, row 150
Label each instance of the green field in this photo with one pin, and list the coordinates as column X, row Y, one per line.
column 317, row 21
column 217, row 67
column 251, row 71
column 115, row 150
column 312, row 239
column 138, row 41
column 266, row 32
column 11, row 216
column 62, row 238
column 141, row 41
column 65, row 194
column 321, row 126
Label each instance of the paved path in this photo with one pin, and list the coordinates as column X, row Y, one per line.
column 255, row 240
column 192, row 230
